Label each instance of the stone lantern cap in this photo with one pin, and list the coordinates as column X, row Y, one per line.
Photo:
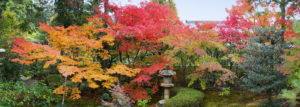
column 167, row 72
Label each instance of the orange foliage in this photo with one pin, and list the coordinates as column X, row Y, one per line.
column 74, row 50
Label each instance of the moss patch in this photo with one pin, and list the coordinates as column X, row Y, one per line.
column 185, row 97
column 236, row 98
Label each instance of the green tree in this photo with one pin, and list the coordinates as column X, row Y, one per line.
column 25, row 13
column 69, row 12
column 262, row 60
column 8, row 25
column 169, row 2
column 18, row 18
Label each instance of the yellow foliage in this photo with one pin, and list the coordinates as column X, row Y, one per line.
column 49, row 63
column 59, row 90
column 267, row 43
column 68, row 70
column 123, row 70
column 73, row 92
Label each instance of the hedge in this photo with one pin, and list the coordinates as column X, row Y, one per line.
column 185, row 97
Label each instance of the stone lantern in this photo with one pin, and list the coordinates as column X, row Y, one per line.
column 167, row 82
column 1, row 54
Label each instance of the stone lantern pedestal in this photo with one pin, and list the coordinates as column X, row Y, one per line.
column 166, row 84
column 1, row 54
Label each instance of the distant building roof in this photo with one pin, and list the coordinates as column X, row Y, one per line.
column 201, row 21
column 192, row 22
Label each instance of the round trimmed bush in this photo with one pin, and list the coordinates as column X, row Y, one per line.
column 185, row 97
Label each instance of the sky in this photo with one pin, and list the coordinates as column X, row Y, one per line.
column 210, row 10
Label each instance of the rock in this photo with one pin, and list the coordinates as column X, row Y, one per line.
column 29, row 82
column 160, row 103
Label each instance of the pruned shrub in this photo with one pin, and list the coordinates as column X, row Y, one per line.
column 185, row 97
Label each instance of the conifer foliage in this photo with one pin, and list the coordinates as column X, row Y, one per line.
column 261, row 62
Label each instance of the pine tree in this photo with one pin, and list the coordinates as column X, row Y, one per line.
column 262, row 58
column 71, row 12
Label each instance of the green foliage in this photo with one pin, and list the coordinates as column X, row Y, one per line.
column 70, row 12
column 8, row 25
column 168, row 2
column 26, row 13
column 105, row 96
column 208, row 79
column 62, row 105
column 18, row 18
column 291, row 95
column 193, row 80
column 16, row 94
column 274, row 103
column 143, row 103
column 262, row 60
column 185, row 97
column 10, row 71
column 54, row 80
column 292, row 66
column 225, row 91
column 296, row 26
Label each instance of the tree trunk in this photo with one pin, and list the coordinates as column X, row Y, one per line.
column 64, row 89
column 269, row 94
column 283, row 11
column 106, row 6
column 120, row 56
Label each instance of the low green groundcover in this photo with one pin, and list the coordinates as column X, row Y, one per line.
column 185, row 97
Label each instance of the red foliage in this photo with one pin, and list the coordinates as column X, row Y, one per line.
column 25, row 49
column 139, row 27
column 235, row 29
column 155, row 88
column 148, row 77
column 144, row 77
column 136, row 93
column 214, row 67
column 153, row 69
